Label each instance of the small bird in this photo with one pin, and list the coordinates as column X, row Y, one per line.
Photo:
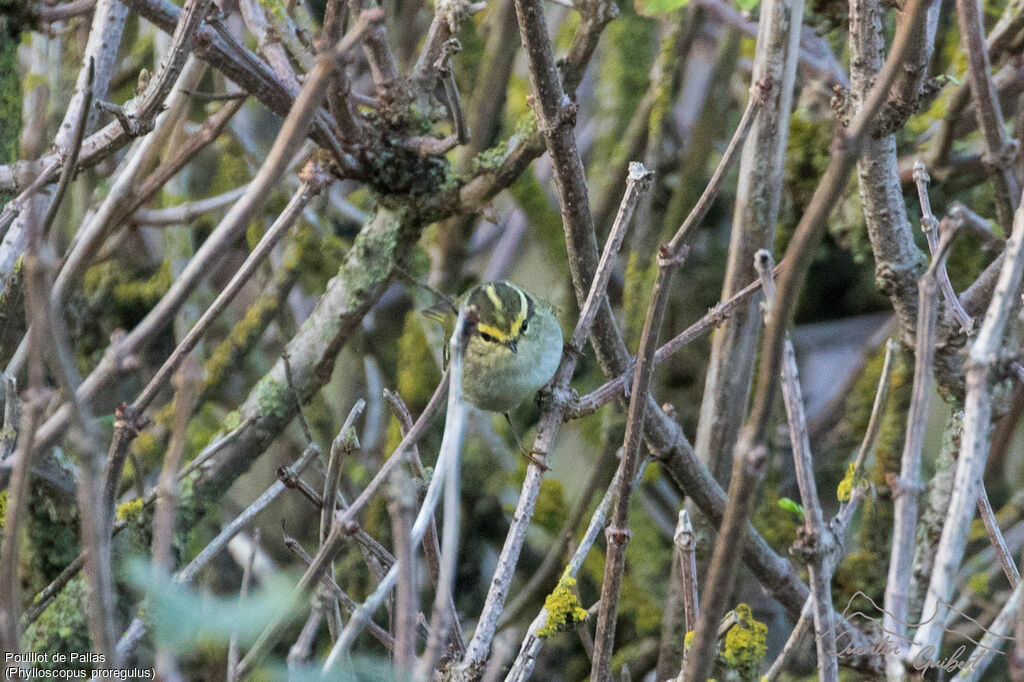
column 514, row 348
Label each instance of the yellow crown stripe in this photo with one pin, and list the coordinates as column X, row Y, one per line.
column 495, row 299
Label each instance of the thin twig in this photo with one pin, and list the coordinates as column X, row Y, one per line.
column 684, row 576
column 613, row 388
column 967, row 218
column 71, row 160
column 313, row 575
column 1000, row 151
column 975, row 443
column 551, row 418
column 268, row 42
column 907, row 488
column 522, row 667
column 542, row 577
column 758, row 93
column 450, row 446
column 300, row 652
column 400, row 454
column 187, row 382
column 431, row 546
column 345, row 444
column 135, row 631
column 686, row 540
column 448, row 16
column 841, row 521
column 815, row 541
column 930, row 225
column 242, row 593
column 746, row 475
column 451, row 90
column 17, row 499
column 299, row 414
column 997, row 635
column 995, row 536
column 347, row 603
column 402, row 508
column 670, row 256
column 185, row 212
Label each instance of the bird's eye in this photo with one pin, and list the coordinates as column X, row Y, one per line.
column 487, row 337
column 522, row 330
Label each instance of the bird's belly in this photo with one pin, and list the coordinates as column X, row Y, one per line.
column 512, row 384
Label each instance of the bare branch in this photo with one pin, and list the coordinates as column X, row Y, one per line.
column 809, row 231
column 995, row 536
column 670, row 256
column 908, row 486
column 551, row 417
column 974, row 449
column 734, row 347
column 14, row 517
column 347, row 603
column 402, row 508
column 815, row 542
column 137, row 629
column 1000, row 151
column 453, row 101
column 242, row 593
column 522, row 667
column 446, row 462
column 931, row 228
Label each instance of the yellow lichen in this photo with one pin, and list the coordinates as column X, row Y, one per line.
column 744, row 645
column 253, row 322
column 130, row 510
column 563, row 607
column 845, row 487
column 146, row 445
column 145, row 292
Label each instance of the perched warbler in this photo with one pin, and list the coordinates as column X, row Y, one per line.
column 512, row 351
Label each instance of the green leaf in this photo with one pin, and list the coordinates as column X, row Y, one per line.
column 791, row 505
column 748, row 5
column 184, row 618
column 653, row 8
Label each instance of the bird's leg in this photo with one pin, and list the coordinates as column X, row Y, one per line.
column 528, row 454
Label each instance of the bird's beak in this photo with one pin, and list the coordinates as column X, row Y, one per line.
column 513, row 345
